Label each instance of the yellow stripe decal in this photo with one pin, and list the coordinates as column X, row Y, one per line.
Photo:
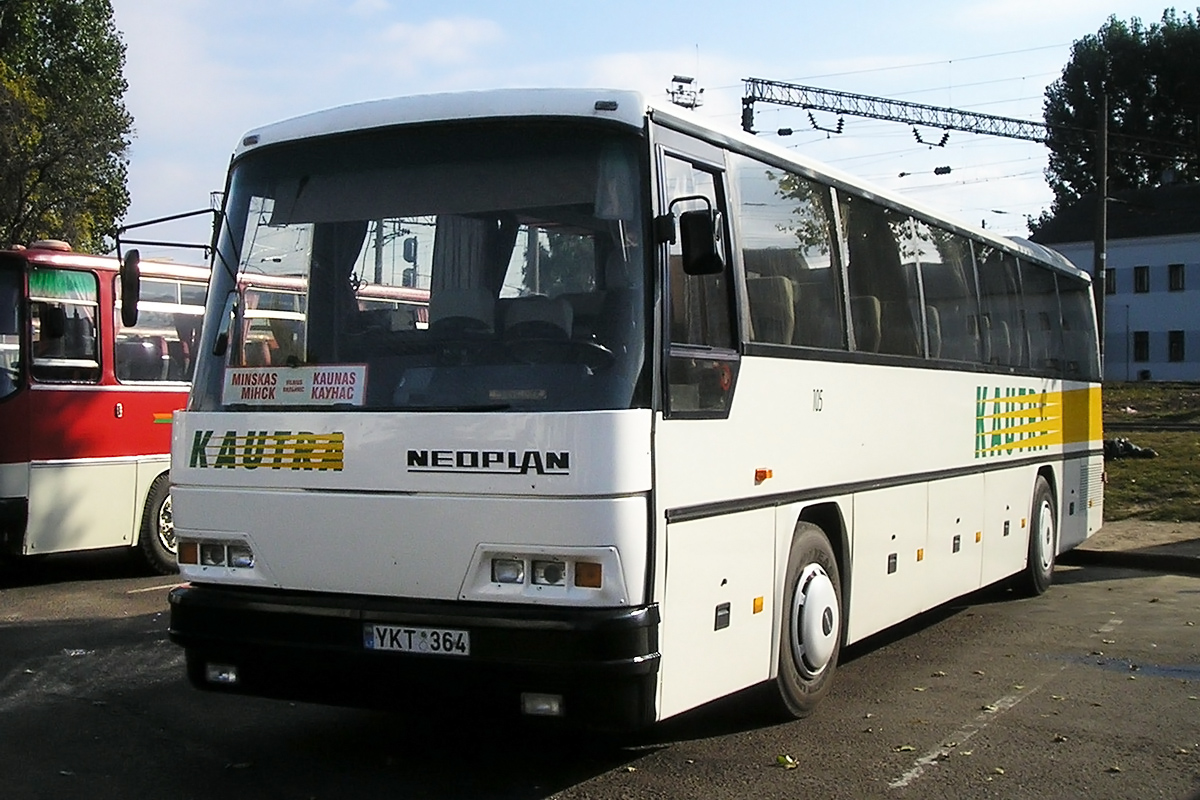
column 1009, row 420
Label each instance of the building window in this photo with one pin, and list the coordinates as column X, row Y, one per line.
column 1141, row 345
column 1175, row 278
column 1110, row 281
column 1175, row 345
column 1141, row 279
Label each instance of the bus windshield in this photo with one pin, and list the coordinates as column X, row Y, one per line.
column 10, row 328
column 470, row 266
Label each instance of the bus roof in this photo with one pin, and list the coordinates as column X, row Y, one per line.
column 628, row 108
column 71, row 259
column 624, row 107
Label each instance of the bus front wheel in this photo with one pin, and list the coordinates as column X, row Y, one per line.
column 1043, row 541
column 811, row 633
column 157, row 539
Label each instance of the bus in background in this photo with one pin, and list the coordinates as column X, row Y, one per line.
column 86, row 402
column 688, row 413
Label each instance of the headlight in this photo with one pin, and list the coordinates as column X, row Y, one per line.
column 563, row 575
column 549, row 573
column 508, row 570
column 215, row 553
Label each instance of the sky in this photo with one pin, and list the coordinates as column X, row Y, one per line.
column 203, row 72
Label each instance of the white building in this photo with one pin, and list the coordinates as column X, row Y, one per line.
column 1151, row 282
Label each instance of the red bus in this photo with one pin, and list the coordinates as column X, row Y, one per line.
column 86, row 403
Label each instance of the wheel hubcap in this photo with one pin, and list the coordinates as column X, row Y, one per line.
column 166, row 526
column 1045, row 535
column 816, row 621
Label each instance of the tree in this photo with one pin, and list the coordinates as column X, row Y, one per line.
column 1153, row 97
column 64, row 130
column 566, row 262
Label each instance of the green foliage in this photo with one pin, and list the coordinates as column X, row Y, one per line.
column 811, row 215
column 64, row 130
column 1150, row 75
column 566, row 263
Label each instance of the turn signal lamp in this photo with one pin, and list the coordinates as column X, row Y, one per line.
column 189, row 552
column 588, row 575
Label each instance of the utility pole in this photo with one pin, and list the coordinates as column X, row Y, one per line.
column 1100, row 245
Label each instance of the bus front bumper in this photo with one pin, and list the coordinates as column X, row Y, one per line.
column 602, row 663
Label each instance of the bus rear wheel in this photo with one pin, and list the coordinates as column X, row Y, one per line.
column 811, row 632
column 1043, row 541
column 157, row 539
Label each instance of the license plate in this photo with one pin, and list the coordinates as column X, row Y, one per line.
column 432, row 641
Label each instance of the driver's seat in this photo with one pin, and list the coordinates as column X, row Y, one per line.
column 469, row 309
column 538, row 317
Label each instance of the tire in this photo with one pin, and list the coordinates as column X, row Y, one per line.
column 156, row 543
column 810, row 636
column 1043, row 542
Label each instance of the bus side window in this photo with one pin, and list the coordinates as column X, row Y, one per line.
column 1000, row 299
column 793, row 286
column 63, row 306
column 948, row 286
column 161, row 347
column 879, row 268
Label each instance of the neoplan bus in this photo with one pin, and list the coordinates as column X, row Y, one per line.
column 86, row 402
column 690, row 413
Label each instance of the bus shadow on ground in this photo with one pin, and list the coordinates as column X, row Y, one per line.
column 95, row 565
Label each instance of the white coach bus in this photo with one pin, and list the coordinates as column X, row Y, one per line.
column 686, row 413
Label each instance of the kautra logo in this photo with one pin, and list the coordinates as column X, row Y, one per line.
column 506, row 462
column 1015, row 420
column 268, row 450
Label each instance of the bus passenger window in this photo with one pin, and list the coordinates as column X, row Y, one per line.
column 948, row 284
column 879, row 268
column 162, row 346
column 793, row 286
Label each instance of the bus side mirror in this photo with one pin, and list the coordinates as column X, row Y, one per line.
column 131, row 288
column 700, row 239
